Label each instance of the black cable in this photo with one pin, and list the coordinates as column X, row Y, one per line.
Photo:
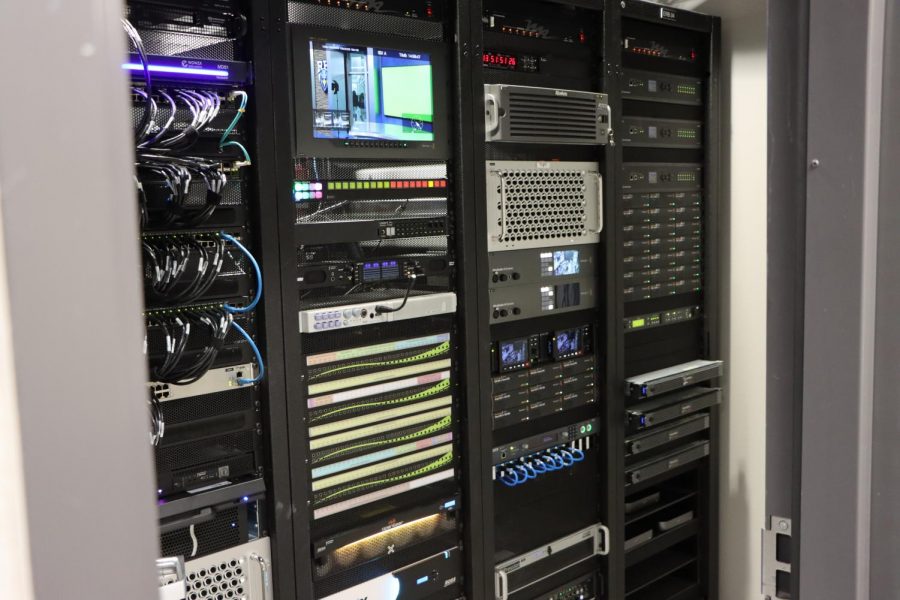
column 148, row 84
column 380, row 309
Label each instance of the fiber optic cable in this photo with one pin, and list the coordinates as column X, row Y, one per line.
column 256, row 269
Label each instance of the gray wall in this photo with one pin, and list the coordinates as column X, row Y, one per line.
column 885, row 541
column 71, row 247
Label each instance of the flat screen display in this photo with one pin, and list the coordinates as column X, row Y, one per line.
column 565, row 262
column 513, row 352
column 366, row 93
column 568, row 342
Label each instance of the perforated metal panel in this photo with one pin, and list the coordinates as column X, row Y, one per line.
column 174, row 31
column 338, row 18
column 239, row 573
column 537, row 204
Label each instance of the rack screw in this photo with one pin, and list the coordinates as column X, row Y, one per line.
column 815, row 163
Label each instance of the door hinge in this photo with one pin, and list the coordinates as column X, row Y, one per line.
column 776, row 559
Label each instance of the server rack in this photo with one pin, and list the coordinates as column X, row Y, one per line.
column 200, row 76
column 573, row 46
column 668, row 547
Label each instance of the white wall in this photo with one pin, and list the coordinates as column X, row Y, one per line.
column 743, row 289
column 15, row 556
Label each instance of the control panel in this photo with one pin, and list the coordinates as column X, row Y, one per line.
column 383, row 270
column 528, row 446
column 370, row 313
column 661, row 87
column 651, row 132
column 661, row 176
column 665, row 317
column 542, row 265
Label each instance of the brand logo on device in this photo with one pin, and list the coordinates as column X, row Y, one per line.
column 561, row 93
column 667, row 13
column 191, row 63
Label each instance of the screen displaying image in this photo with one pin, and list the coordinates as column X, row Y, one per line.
column 513, row 353
column 568, row 341
column 565, row 262
column 362, row 93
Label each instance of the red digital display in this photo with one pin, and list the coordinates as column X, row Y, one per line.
column 500, row 61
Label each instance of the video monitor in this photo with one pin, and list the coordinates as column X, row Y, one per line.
column 365, row 97
column 565, row 262
column 513, row 352
column 568, row 342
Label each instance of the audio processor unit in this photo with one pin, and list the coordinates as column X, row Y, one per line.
column 372, row 271
column 535, row 204
column 373, row 313
column 514, row 577
column 665, row 317
column 661, row 176
column 662, row 87
column 525, row 114
column 651, row 132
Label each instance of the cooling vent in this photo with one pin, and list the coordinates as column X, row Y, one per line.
column 515, row 113
column 538, row 204
column 239, row 573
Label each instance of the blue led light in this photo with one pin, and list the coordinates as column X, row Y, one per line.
column 421, row 580
column 450, row 504
column 246, row 499
column 193, row 71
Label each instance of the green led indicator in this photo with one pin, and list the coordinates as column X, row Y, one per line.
column 638, row 323
column 297, row 186
column 589, row 427
column 583, row 429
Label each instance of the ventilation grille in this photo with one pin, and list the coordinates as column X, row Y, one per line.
column 532, row 206
column 545, row 115
column 237, row 573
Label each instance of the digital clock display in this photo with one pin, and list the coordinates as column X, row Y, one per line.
column 498, row 60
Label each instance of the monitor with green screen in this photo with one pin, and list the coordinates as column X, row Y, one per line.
column 407, row 92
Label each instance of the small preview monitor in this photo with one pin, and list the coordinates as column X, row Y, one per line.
column 568, row 342
column 565, row 262
column 513, row 352
column 356, row 97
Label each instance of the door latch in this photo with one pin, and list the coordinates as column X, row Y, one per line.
column 776, row 559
